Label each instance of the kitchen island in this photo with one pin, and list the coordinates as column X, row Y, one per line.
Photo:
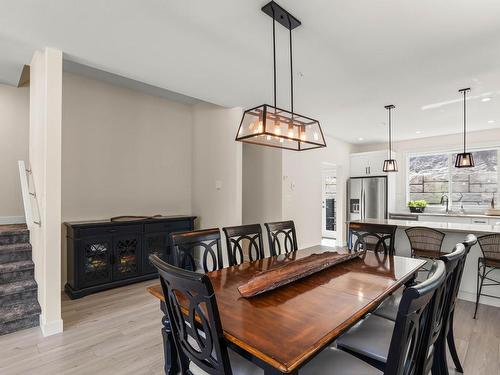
column 455, row 233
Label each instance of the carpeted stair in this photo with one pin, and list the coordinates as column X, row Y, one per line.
column 19, row 308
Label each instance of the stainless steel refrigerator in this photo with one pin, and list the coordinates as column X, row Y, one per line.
column 367, row 198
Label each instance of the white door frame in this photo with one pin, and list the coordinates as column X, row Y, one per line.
column 328, row 170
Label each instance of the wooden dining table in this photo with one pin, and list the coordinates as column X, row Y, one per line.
column 283, row 329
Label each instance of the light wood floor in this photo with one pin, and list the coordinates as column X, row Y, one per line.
column 118, row 332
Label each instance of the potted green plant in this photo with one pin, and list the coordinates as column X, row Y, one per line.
column 417, row 206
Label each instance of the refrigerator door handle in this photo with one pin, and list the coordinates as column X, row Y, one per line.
column 362, row 203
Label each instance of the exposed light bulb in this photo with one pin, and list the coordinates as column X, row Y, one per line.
column 277, row 130
column 281, row 140
column 290, row 133
column 268, row 137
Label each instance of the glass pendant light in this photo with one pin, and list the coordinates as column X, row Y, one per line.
column 276, row 127
column 390, row 164
column 464, row 159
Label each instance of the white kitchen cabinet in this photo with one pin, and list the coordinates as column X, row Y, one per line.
column 359, row 165
column 368, row 163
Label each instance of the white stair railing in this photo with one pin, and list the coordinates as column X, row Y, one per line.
column 30, row 202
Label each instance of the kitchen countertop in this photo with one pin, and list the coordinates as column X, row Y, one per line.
column 445, row 227
column 453, row 214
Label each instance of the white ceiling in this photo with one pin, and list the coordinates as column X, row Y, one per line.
column 351, row 57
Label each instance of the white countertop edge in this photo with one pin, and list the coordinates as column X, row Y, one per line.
column 481, row 216
column 446, row 227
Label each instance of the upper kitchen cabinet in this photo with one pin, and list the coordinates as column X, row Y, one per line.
column 368, row 163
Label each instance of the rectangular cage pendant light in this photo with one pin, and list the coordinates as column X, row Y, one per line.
column 275, row 127
column 270, row 126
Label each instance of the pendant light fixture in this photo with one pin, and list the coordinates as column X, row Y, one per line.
column 464, row 159
column 272, row 126
column 390, row 164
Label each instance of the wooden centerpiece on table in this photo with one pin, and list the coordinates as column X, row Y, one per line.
column 274, row 278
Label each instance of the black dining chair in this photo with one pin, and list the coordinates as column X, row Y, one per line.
column 197, row 331
column 455, row 264
column 374, row 237
column 375, row 339
column 486, row 264
column 244, row 243
column 282, row 237
column 185, row 244
column 389, row 308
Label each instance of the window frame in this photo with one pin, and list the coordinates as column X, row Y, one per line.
column 449, row 153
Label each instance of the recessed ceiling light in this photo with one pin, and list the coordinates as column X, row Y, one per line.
column 491, row 121
column 418, row 132
column 361, row 139
column 487, row 99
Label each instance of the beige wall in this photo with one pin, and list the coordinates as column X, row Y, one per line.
column 302, row 189
column 262, row 192
column 216, row 167
column 262, row 174
column 45, row 161
column 14, row 127
column 124, row 152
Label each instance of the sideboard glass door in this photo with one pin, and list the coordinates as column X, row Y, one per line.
column 96, row 254
column 126, row 251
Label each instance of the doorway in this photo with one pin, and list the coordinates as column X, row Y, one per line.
column 329, row 202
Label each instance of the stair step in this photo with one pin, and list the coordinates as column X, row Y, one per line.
column 19, row 316
column 17, row 292
column 15, row 252
column 13, row 233
column 16, row 271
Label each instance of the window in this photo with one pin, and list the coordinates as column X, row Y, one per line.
column 476, row 186
column 433, row 175
column 429, row 177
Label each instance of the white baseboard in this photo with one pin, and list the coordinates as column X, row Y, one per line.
column 12, row 220
column 471, row 297
column 50, row 328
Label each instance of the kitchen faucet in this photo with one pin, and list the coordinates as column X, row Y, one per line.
column 445, row 199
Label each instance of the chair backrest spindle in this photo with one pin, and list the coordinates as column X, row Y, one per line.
column 185, row 244
column 284, row 230
column 243, row 243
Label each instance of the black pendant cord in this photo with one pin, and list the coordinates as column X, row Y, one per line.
column 465, row 117
column 274, row 57
column 390, row 136
column 291, row 67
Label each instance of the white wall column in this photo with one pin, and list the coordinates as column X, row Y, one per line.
column 45, row 160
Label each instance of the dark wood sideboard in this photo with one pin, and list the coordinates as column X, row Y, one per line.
column 106, row 254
